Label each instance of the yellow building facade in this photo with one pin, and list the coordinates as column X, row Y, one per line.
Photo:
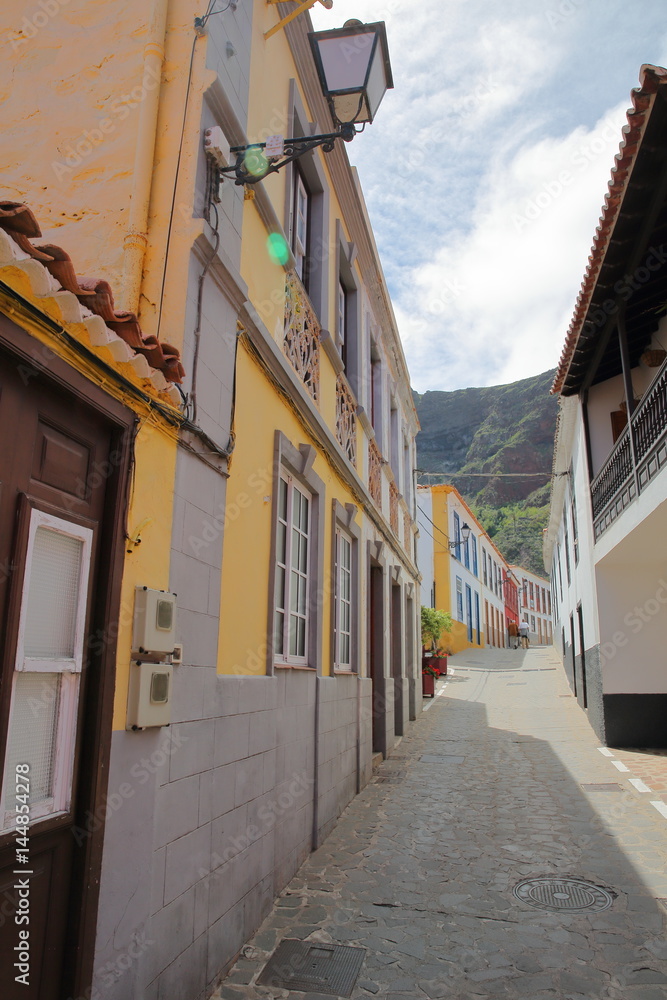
column 462, row 570
column 264, row 485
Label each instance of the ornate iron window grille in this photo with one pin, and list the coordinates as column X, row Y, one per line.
column 393, row 507
column 375, row 473
column 302, row 335
column 346, row 419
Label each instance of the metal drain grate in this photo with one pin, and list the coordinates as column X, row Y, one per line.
column 440, row 758
column 573, row 895
column 331, row 969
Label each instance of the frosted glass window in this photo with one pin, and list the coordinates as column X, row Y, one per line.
column 53, row 597
column 32, row 733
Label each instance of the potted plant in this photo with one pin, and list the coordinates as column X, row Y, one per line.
column 429, row 675
column 434, row 658
column 441, row 655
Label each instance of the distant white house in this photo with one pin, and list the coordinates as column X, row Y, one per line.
column 534, row 604
column 606, row 542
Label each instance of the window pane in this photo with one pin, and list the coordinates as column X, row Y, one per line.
column 296, row 539
column 282, row 500
column 54, row 595
column 278, row 626
column 303, row 554
column 302, row 596
column 294, row 590
column 301, row 637
column 303, row 524
column 280, row 587
column 281, row 542
column 292, row 636
column 32, row 732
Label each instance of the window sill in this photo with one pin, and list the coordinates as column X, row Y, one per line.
column 293, row 666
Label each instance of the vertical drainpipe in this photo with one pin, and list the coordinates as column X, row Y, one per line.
column 136, row 237
column 315, row 843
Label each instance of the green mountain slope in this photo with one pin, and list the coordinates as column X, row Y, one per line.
column 495, row 430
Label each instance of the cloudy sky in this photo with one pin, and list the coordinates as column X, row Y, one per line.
column 486, row 169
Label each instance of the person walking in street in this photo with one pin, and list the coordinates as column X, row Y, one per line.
column 513, row 633
column 524, row 630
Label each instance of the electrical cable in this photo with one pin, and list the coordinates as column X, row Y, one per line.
column 200, row 24
column 211, row 180
column 434, row 525
column 176, row 175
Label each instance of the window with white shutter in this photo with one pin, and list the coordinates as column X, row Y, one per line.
column 47, row 671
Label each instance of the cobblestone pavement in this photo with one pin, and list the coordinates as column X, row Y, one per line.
column 492, row 785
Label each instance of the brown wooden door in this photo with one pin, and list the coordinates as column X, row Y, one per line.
column 57, row 473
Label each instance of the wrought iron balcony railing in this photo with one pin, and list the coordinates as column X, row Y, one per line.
column 638, row 456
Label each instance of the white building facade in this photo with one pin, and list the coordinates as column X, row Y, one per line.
column 606, row 542
column 535, row 605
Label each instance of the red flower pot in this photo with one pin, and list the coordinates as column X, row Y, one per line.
column 428, row 686
column 441, row 663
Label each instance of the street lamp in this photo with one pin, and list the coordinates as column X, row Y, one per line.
column 354, row 71
column 465, row 535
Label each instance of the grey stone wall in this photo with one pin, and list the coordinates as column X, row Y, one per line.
column 221, row 821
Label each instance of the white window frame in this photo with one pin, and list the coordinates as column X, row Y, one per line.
column 69, row 667
column 300, row 214
column 286, row 656
column 343, row 538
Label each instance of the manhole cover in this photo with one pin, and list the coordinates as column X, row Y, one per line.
column 440, row 758
column 313, row 967
column 572, row 894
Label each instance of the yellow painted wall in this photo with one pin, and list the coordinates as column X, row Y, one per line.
column 151, row 502
column 248, row 520
column 73, row 91
column 272, row 68
column 63, row 76
column 151, row 511
column 444, row 592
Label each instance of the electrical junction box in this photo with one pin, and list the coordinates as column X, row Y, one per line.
column 154, row 622
column 149, row 696
column 216, row 146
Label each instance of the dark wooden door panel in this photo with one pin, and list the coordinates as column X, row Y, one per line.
column 54, row 456
column 50, row 868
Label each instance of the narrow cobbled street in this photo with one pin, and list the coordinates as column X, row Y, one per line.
column 501, row 780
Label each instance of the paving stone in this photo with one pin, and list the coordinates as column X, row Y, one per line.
column 420, row 869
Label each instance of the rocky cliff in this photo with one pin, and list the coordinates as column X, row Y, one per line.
column 495, row 430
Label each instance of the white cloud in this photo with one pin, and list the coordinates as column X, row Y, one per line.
column 483, row 185
column 494, row 303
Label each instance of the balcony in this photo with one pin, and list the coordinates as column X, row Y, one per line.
column 302, row 335
column 393, row 507
column 638, row 456
column 346, row 419
column 375, row 473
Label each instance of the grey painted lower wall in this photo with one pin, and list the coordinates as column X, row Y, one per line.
column 384, row 734
column 218, row 816
column 401, row 705
column 636, row 720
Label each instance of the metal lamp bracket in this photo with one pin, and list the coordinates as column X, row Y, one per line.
column 306, row 5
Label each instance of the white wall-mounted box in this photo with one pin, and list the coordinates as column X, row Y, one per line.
column 149, row 695
column 154, row 621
